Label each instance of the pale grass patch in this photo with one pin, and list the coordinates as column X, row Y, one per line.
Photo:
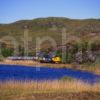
column 43, row 86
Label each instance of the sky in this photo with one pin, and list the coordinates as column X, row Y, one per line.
column 14, row 10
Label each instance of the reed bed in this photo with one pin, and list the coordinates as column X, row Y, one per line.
column 49, row 90
column 42, row 86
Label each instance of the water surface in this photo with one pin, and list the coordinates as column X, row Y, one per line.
column 16, row 72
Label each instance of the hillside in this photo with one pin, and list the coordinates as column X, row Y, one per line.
column 84, row 29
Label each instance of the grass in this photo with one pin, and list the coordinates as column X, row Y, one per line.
column 91, row 68
column 11, row 90
column 64, row 78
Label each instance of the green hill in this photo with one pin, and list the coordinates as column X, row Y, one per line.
column 52, row 26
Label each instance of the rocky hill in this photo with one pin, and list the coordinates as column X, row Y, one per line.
column 86, row 29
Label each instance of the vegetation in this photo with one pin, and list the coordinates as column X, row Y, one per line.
column 13, row 90
column 1, row 58
column 6, row 52
column 86, row 30
column 66, row 78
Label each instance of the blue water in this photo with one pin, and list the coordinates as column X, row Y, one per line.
column 15, row 72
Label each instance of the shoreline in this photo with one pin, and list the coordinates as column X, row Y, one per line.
column 30, row 63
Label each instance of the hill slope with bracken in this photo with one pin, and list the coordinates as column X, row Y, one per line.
column 86, row 29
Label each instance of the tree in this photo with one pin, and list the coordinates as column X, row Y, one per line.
column 6, row 52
